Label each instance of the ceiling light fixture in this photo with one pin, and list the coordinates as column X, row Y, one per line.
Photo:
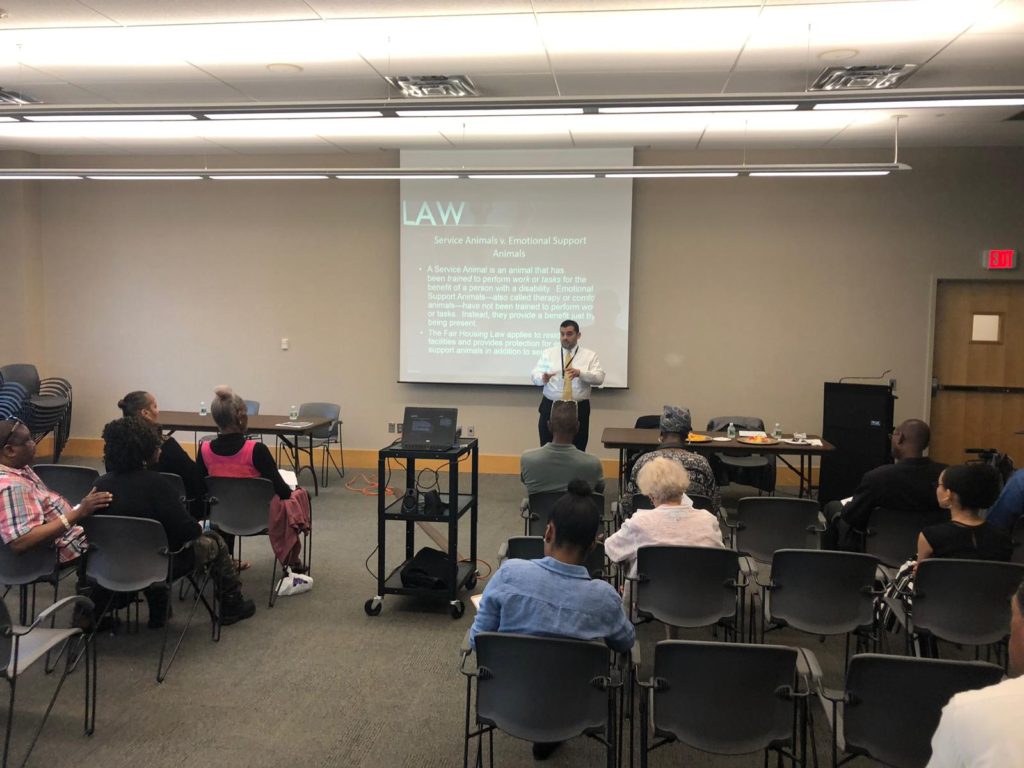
column 110, row 118
column 146, row 177
column 512, row 112
column 819, row 173
column 530, row 176
column 921, row 103
column 399, row 176
column 673, row 175
column 289, row 115
column 41, row 177
column 264, row 177
column 698, row 108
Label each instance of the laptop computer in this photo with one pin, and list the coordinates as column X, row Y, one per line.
column 429, row 429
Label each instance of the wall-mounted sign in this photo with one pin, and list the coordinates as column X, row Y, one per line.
column 999, row 258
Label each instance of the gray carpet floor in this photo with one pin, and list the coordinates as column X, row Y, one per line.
column 314, row 680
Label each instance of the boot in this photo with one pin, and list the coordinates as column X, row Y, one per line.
column 158, row 600
column 235, row 608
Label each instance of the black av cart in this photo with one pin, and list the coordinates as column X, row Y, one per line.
column 461, row 575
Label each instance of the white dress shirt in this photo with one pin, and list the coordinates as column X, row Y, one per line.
column 591, row 372
column 981, row 729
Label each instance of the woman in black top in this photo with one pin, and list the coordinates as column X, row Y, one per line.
column 129, row 445
column 173, row 459
column 965, row 490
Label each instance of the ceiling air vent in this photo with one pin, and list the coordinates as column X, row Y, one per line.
column 862, row 78
column 433, row 86
column 16, row 97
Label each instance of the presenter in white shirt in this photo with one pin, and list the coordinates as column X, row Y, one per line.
column 567, row 372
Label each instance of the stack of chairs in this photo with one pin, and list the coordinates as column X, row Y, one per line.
column 47, row 407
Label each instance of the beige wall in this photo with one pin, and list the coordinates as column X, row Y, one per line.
column 22, row 294
column 747, row 294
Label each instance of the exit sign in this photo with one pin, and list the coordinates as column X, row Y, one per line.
column 999, row 258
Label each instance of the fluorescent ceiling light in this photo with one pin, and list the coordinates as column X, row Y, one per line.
column 699, row 108
column 819, row 173
column 39, row 177
column 87, row 118
column 489, row 112
column 403, row 176
column 288, row 115
column 922, row 103
column 532, row 175
column 8, row 120
column 141, row 177
column 264, row 177
column 673, row 175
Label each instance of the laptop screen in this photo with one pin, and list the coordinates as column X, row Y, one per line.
column 429, row 427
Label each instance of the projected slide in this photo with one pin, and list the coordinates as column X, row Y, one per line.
column 490, row 268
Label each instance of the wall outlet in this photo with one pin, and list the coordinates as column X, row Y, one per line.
column 470, row 431
column 391, row 427
column 284, row 343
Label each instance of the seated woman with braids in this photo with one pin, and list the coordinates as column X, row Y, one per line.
column 230, row 454
column 129, row 445
column 142, row 405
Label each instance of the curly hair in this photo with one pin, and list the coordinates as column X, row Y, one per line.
column 128, row 444
column 663, row 480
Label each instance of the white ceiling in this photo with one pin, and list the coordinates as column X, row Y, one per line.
column 195, row 53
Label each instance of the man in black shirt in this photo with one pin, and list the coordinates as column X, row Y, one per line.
column 906, row 485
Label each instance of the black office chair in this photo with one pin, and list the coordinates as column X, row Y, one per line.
column 891, row 705
column 521, row 548
column 71, row 482
column 729, row 467
column 722, row 698
column 538, row 510
column 540, row 689
column 891, row 534
column 23, row 646
column 689, row 587
column 961, row 601
column 822, row 593
column 130, row 554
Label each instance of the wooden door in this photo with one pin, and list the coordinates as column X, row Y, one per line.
column 978, row 383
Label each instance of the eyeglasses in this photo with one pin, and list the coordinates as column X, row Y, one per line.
column 14, row 425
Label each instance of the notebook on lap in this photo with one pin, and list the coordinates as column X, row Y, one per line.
column 430, row 429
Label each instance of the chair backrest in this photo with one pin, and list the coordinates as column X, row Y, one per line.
column 330, row 411
column 892, row 533
column 642, row 501
column 35, row 564
column 178, row 484
column 965, row 601
column 720, row 423
column 252, row 407
column 724, row 698
column 542, row 689
column 686, row 586
column 71, row 482
column 1017, row 535
column 23, row 373
column 766, row 524
column 824, row 593
column 540, row 505
column 240, row 505
column 525, row 548
column 894, row 703
column 12, row 400
column 652, row 421
column 125, row 554
column 701, row 502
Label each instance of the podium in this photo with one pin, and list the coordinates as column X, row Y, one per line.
column 857, row 420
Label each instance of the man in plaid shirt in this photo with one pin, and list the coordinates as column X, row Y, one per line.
column 30, row 513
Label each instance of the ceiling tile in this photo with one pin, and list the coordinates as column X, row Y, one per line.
column 64, row 94
column 208, row 92
column 301, row 88
column 133, row 12
column 51, row 13
column 640, row 83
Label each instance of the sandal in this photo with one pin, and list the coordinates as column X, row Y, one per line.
column 241, row 565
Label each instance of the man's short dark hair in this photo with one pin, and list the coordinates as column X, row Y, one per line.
column 567, row 323
column 916, row 432
column 128, row 444
column 576, row 517
column 564, row 417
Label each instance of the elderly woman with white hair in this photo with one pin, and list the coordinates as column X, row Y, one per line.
column 674, row 521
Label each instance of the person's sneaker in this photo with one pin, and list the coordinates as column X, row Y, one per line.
column 235, row 608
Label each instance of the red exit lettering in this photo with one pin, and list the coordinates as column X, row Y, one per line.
column 1001, row 258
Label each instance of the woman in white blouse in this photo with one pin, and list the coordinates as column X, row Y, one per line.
column 674, row 521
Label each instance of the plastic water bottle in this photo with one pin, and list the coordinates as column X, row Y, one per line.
column 777, row 431
column 202, row 408
column 731, row 431
column 293, row 412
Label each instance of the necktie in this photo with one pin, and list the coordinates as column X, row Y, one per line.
column 566, row 381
